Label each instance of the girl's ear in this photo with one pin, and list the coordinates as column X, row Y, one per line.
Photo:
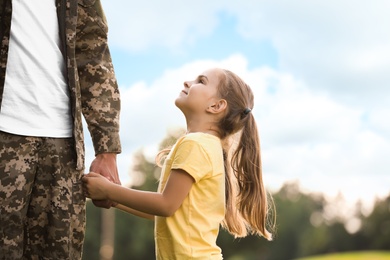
column 217, row 107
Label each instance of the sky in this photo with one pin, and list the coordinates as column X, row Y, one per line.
column 319, row 70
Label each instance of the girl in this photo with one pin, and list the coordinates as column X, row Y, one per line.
column 207, row 179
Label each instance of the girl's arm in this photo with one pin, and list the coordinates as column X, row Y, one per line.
column 134, row 212
column 163, row 204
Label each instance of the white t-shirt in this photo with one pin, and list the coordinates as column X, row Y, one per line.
column 36, row 96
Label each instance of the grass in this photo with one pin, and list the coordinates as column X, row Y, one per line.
column 361, row 255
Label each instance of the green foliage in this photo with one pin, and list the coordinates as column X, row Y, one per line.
column 134, row 237
column 376, row 229
column 368, row 255
column 294, row 210
column 92, row 235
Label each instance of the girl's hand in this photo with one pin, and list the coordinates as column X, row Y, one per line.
column 95, row 186
column 105, row 165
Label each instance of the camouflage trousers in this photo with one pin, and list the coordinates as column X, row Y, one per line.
column 42, row 207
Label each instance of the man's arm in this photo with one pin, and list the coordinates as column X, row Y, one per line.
column 100, row 99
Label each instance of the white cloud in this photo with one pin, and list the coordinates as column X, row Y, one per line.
column 341, row 47
column 337, row 46
column 137, row 26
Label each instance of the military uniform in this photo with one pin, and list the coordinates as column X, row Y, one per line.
column 52, row 227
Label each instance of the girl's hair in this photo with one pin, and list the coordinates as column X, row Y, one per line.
column 247, row 202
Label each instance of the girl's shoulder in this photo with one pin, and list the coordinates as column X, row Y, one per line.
column 200, row 136
column 203, row 141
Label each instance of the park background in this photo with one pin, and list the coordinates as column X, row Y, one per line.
column 320, row 74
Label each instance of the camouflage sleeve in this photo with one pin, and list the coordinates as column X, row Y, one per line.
column 99, row 89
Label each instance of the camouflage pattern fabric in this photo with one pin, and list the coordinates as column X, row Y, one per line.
column 92, row 83
column 42, row 207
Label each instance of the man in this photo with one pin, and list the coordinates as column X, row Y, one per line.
column 55, row 66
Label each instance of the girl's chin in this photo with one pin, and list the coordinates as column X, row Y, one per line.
column 179, row 105
column 178, row 102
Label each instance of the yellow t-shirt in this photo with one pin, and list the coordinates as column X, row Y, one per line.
column 192, row 231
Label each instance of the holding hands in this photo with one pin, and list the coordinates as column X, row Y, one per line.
column 95, row 186
column 105, row 165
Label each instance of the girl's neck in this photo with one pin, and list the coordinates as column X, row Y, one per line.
column 202, row 128
column 209, row 131
column 202, row 124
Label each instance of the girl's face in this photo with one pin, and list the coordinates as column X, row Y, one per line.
column 200, row 93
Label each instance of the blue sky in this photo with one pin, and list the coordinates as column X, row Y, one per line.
column 319, row 71
column 134, row 65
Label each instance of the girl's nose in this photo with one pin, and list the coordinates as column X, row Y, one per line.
column 187, row 84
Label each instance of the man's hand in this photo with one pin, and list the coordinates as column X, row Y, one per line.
column 105, row 165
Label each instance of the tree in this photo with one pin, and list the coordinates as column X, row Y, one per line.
column 376, row 226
